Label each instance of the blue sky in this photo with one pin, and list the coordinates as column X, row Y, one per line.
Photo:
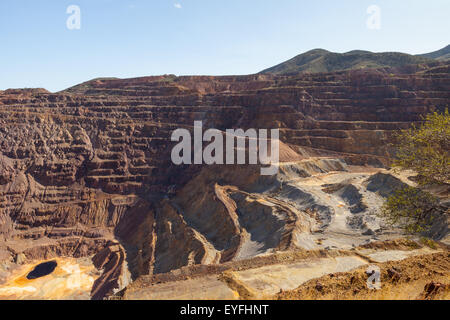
column 130, row 38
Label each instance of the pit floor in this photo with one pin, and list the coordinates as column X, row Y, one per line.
column 72, row 279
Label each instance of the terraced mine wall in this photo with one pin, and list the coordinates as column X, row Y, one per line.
column 89, row 167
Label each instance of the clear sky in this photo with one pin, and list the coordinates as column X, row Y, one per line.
column 130, row 38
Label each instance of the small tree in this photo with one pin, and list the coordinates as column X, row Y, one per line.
column 410, row 208
column 425, row 150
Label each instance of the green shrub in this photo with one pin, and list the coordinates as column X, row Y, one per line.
column 426, row 149
column 411, row 209
column 428, row 242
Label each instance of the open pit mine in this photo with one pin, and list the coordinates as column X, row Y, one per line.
column 92, row 207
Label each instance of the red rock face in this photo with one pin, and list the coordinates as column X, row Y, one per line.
column 91, row 164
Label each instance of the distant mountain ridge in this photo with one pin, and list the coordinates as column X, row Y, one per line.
column 320, row 60
column 442, row 54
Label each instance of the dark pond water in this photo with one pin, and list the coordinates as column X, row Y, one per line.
column 42, row 269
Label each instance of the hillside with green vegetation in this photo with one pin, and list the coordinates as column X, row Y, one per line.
column 320, row 60
column 442, row 54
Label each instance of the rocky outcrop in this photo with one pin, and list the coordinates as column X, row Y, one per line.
column 111, row 260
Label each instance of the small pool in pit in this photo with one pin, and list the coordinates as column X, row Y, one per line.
column 42, row 270
column 59, row 278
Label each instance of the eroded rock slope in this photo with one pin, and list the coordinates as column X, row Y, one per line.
column 87, row 172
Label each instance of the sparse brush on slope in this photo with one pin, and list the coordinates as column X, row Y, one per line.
column 319, row 60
